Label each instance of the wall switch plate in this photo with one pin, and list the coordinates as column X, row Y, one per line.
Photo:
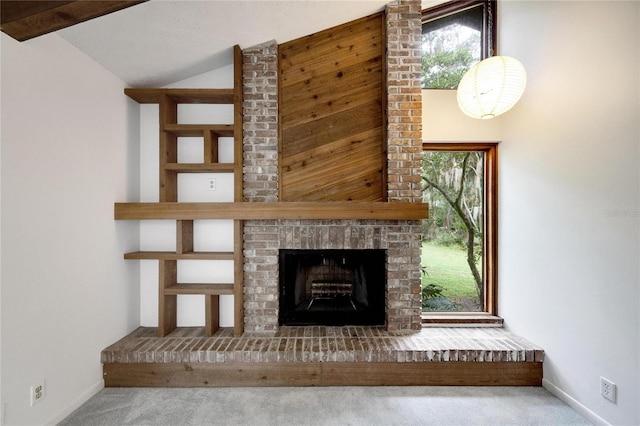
column 608, row 389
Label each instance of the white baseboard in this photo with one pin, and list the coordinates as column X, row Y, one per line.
column 81, row 399
column 583, row 410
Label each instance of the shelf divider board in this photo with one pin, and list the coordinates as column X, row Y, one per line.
column 207, row 289
column 199, row 167
column 210, row 147
column 211, row 314
column 184, row 236
column 168, row 149
column 226, row 130
column 238, row 274
column 238, row 262
column 181, row 96
column 170, row 255
column 167, row 303
column 237, row 123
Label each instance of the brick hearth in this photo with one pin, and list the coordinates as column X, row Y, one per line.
column 323, row 344
column 323, row 356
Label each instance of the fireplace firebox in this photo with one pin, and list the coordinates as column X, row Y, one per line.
column 332, row 287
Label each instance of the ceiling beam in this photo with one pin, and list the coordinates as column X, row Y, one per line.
column 24, row 20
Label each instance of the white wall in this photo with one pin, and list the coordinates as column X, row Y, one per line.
column 69, row 151
column 209, row 235
column 442, row 121
column 569, row 191
column 568, row 274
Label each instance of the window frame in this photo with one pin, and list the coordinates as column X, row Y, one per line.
column 490, row 249
column 489, row 32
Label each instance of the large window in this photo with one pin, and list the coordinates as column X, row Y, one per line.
column 459, row 263
column 456, row 35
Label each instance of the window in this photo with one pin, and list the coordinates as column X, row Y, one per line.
column 459, row 240
column 456, row 35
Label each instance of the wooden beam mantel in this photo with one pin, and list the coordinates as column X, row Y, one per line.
column 277, row 210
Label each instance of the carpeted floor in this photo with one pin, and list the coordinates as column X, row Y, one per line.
column 326, row 406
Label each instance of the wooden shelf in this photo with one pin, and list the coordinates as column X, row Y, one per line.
column 206, row 289
column 168, row 101
column 169, row 255
column 222, row 130
column 276, row 210
column 200, row 168
column 181, row 96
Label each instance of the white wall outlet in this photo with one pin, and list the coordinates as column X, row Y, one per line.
column 37, row 393
column 608, row 389
column 211, row 184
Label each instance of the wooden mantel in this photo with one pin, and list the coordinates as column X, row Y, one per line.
column 276, row 210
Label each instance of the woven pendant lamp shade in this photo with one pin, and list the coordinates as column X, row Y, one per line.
column 491, row 87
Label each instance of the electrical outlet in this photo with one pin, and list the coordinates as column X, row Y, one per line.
column 211, row 184
column 37, row 393
column 608, row 389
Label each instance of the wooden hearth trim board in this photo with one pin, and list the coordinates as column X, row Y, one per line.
column 323, row 356
column 277, row 210
column 325, row 374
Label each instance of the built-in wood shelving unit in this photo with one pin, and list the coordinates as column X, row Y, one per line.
column 169, row 168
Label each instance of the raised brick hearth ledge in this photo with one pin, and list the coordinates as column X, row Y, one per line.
column 316, row 356
column 323, row 344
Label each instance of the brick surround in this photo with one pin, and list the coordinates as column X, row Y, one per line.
column 404, row 101
column 263, row 239
column 260, row 122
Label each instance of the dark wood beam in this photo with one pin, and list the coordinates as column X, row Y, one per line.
column 24, row 20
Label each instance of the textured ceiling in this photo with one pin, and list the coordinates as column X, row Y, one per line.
column 161, row 42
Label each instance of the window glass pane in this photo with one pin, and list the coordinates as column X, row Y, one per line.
column 452, row 237
column 450, row 46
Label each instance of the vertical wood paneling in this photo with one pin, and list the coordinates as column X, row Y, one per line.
column 332, row 114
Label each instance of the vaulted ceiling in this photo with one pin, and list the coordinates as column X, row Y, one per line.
column 159, row 42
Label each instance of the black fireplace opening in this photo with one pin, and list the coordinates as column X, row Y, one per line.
column 332, row 287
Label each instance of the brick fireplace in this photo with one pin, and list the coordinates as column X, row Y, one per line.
column 263, row 239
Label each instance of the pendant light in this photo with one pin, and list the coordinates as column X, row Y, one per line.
column 491, row 87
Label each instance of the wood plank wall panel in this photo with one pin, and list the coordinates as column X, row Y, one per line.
column 332, row 117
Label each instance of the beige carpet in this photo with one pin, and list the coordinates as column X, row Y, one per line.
column 326, row 406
